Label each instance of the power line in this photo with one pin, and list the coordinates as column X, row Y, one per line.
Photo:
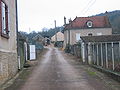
column 89, row 7
column 90, row 4
column 86, row 5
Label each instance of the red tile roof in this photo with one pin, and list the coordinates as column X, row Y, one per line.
column 81, row 22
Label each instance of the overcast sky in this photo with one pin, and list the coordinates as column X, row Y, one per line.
column 37, row 14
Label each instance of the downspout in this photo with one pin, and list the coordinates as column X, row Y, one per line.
column 16, row 24
column 70, row 21
column 69, row 37
column 17, row 38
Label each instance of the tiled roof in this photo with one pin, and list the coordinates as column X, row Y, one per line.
column 103, row 38
column 81, row 22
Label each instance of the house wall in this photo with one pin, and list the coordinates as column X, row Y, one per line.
column 66, row 38
column 85, row 32
column 60, row 37
column 8, row 47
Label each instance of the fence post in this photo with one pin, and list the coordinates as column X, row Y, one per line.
column 119, row 50
column 113, row 61
column 73, row 50
column 97, row 56
column 101, row 55
column 106, row 55
column 94, row 53
column 83, row 51
column 89, row 53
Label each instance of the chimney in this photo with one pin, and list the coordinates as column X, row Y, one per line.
column 70, row 20
column 106, row 13
column 64, row 20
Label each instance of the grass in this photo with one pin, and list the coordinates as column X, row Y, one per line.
column 92, row 73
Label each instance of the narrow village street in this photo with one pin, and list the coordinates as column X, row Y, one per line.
column 58, row 71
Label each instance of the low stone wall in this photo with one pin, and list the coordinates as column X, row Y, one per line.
column 8, row 66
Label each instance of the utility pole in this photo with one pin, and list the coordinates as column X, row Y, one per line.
column 55, row 32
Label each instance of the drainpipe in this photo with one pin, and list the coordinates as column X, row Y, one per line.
column 69, row 30
column 55, row 32
column 17, row 38
column 69, row 36
column 16, row 23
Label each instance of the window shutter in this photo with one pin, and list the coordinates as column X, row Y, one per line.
column 0, row 17
column 6, row 21
column 3, row 19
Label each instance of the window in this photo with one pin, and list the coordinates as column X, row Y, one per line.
column 90, row 34
column 4, row 20
column 89, row 24
column 77, row 37
column 99, row 34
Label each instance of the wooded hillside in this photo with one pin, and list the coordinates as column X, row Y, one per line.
column 114, row 18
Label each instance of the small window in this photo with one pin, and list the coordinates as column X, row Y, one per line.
column 89, row 24
column 4, row 16
column 90, row 34
column 77, row 37
column 99, row 34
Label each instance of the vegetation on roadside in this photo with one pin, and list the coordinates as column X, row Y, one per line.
column 90, row 72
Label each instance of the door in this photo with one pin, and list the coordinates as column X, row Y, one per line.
column 32, row 52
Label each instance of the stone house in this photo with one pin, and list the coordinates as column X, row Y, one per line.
column 86, row 26
column 39, row 39
column 8, row 45
column 58, row 39
column 59, row 36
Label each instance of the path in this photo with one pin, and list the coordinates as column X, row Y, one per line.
column 56, row 71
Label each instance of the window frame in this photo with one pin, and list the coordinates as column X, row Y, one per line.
column 77, row 37
column 89, row 24
column 4, row 33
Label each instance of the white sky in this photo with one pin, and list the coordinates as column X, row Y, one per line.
column 37, row 14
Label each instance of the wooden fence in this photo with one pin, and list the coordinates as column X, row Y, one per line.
column 103, row 54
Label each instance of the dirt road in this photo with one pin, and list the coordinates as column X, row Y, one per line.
column 57, row 71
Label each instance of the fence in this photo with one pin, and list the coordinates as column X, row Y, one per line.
column 106, row 55
column 103, row 54
column 76, row 50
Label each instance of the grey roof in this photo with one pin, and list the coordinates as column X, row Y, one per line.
column 103, row 38
column 38, row 36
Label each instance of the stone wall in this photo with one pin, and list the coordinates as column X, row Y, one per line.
column 8, row 66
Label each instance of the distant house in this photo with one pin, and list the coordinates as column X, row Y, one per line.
column 38, row 38
column 38, row 41
column 58, row 37
column 86, row 26
column 8, row 44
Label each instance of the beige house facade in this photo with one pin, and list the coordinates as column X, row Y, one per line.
column 86, row 26
column 58, row 37
column 8, row 44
